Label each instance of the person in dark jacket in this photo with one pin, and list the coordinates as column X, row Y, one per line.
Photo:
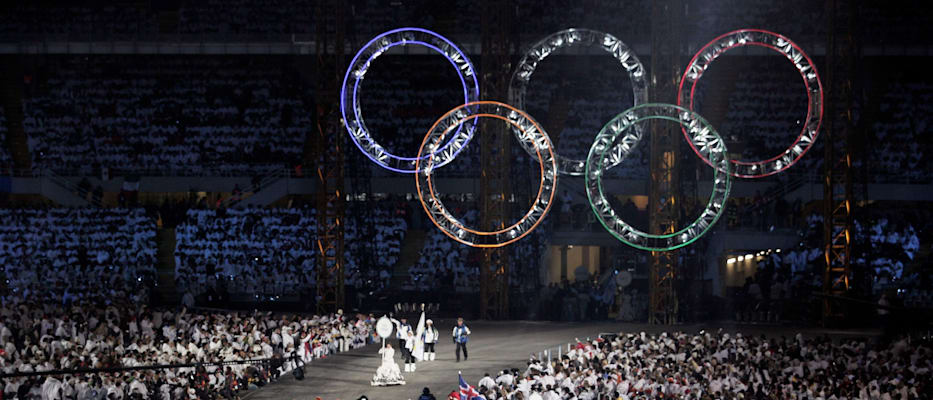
column 426, row 395
column 461, row 334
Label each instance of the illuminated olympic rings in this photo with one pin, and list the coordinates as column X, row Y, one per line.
column 702, row 137
column 447, row 137
column 530, row 134
column 349, row 99
column 567, row 38
column 803, row 63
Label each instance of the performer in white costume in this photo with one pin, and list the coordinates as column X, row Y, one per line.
column 401, row 331
column 408, row 353
column 429, row 337
column 388, row 373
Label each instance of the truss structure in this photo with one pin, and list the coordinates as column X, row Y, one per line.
column 495, row 139
column 664, row 195
column 837, row 162
column 327, row 150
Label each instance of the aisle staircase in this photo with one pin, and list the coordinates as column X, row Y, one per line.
column 11, row 99
column 783, row 190
column 165, row 269
column 272, row 187
column 65, row 192
column 719, row 83
column 921, row 258
column 558, row 110
column 54, row 187
column 408, row 256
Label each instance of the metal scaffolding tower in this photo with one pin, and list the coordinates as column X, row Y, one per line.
column 328, row 157
column 664, row 196
column 841, row 53
column 495, row 139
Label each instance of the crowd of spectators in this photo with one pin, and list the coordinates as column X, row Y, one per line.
column 75, row 21
column 444, row 263
column 175, row 115
column 721, row 366
column 763, row 212
column 900, row 136
column 447, row 266
column 261, row 251
column 767, row 109
column 373, row 234
column 582, row 300
column 122, row 333
column 402, row 97
column 594, row 89
column 75, row 284
column 243, row 17
column 64, row 255
column 802, row 21
column 887, row 254
column 268, row 252
column 195, row 115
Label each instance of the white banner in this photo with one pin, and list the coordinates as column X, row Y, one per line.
column 418, row 350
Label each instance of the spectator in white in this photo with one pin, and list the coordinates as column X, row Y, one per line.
column 487, row 382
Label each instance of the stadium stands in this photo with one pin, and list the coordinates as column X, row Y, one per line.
column 902, row 133
column 167, row 115
column 64, row 255
column 125, row 334
column 247, row 116
column 886, row 242
column 714, row 365
column 267, row 252
column 90, row 287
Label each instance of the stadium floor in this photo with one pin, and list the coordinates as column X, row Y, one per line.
column 493, row 346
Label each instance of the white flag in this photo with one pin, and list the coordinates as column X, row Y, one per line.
column 418, row 349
